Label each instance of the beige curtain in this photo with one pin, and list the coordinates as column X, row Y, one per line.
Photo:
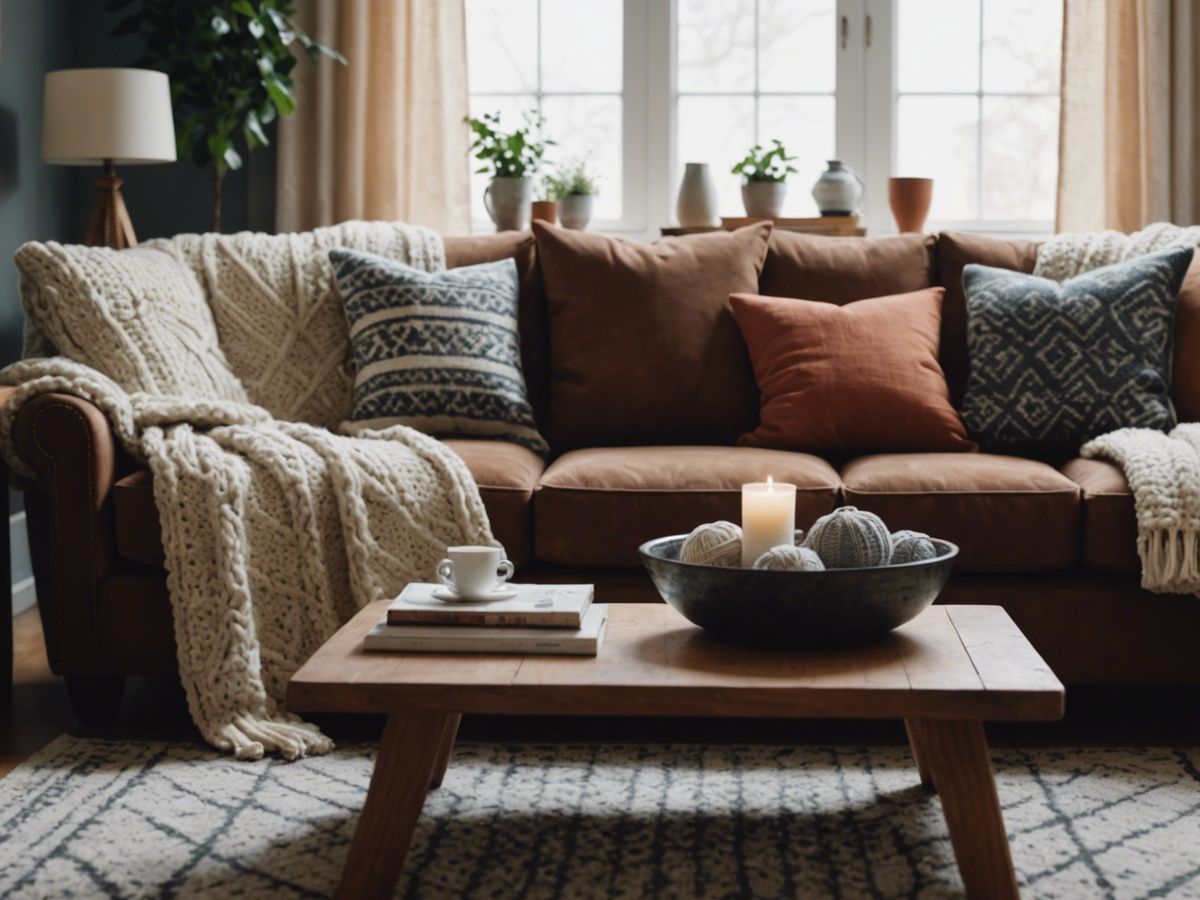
column 382, row 137
column 1129, row 146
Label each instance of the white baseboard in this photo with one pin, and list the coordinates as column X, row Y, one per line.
column 24, row 596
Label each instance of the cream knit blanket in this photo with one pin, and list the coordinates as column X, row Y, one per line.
column 275, row 532
column 1163, row 470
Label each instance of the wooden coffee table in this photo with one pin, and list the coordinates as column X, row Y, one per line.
column 945, row 673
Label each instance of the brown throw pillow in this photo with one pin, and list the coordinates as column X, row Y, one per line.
column 858, row 378
column 841, row 269
column 643, row 347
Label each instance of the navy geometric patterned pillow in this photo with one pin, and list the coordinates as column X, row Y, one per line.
column 436, row 351
column 1055, row 364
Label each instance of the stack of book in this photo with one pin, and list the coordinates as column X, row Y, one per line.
column 541, row 618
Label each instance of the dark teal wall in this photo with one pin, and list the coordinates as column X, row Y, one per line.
column 33, row 197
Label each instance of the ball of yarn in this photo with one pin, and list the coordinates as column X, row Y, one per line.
column 787, row 557
column 713, row 544
column 911, row 546
column 849, row 537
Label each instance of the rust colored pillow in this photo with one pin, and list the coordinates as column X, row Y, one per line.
column 643, row 347
column 858, row 378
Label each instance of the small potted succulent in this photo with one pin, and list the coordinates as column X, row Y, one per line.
column 575, row 189
column 764, row 174
column 512, row 158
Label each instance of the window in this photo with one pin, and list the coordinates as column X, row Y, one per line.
column 965, row 91
column 563, row 59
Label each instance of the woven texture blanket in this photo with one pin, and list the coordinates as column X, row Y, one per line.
column 1163, row 470
column 274, row 531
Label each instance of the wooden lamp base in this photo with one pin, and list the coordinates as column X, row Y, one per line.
column 110, row 225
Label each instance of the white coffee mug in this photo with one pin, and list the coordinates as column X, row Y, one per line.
column 474, row 571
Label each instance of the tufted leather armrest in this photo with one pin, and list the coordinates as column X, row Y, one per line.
column 69, row 444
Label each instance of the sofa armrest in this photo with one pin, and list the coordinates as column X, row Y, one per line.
column 68, row 443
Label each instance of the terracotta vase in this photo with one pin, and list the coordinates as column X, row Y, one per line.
column 910, row 199
column 546, row 210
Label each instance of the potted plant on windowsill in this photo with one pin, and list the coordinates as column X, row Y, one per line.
column 575, row 188
column 764, row 174
column 513, row 159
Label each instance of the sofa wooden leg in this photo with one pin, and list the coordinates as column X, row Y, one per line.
column 95, row 698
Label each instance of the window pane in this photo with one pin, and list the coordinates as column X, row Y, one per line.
column 502, row 45
column 1020, row 157
column 718, row 131
column 806, row 127
column 581, row 45
column 936, row 138
column 588, row 129
column 716, row 45
column 796, row 46
column 938, row 45
column 511, row 110
column 1022, row 44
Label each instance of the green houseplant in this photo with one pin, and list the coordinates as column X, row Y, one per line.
column 575, row 188
column 230, row 64
column 764, row 178
column 512, row 158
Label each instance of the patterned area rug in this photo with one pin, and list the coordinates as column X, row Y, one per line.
column 89, row 818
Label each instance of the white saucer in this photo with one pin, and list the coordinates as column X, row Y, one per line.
column 448, row 596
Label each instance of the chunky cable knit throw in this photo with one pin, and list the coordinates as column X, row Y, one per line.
column 274, row 532
column 1163, row 470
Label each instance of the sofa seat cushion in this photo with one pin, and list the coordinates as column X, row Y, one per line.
column 594, row 507
column 1109, row 517
column 506, row 475
column 1007, row 514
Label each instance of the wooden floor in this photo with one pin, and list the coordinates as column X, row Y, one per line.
column 154, row 709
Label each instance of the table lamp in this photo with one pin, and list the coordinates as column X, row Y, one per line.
column 104, row 117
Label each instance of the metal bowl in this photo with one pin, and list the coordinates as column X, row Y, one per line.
column 796, row 608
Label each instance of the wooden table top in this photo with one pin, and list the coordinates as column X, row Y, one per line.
column 951, row 662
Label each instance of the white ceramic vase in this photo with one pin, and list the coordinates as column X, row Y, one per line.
column 838, row 191
column 575, row 211
column 764, row 198
column 696, row 205
column 508, row 202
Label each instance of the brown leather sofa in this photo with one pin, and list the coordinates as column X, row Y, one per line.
column 1053, row 541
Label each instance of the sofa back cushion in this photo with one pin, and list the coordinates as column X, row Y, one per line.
column 955, row 251
column 137, row 316
column 842, row 269
column 643, row 346
column 531, row 303
column 1185, row 377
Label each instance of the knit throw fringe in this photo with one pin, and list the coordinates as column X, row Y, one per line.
column 274, row 534
column 1163, row 471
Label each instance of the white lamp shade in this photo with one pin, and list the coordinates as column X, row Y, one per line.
column 91, row 115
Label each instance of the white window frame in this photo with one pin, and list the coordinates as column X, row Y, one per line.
column 866, row 99
column 633, row 94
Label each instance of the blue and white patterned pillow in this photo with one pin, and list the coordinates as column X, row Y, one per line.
column 1055, row 364
column 437, row 351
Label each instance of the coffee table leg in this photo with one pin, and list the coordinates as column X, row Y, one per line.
column 957, row 758
column 913, row 729
column 443, row 758
column 411, row 741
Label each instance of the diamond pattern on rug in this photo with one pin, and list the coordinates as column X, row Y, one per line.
column 88, row 817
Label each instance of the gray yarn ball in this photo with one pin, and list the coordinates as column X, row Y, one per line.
column 850, row 538
column 911, row 546
column 713, row 544
column 789, row 558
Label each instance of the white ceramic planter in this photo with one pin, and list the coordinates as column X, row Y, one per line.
column 696, row 205
column 508, row 202
column 764, row 198
column 575, row 211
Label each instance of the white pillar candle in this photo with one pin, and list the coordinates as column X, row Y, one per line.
column 768, row 518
